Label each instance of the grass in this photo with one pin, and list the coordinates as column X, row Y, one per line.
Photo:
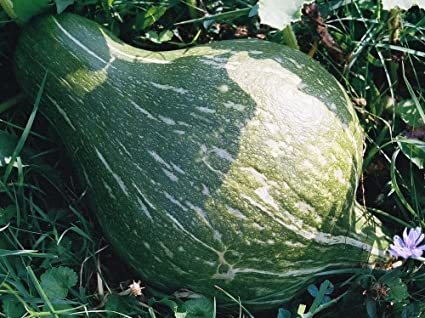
column 54, row 261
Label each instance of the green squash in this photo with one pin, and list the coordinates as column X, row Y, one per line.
column 232, row 164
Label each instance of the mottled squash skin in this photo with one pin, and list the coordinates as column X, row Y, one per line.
column 232, row 164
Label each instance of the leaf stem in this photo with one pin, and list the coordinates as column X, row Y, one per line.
column 41, row 292
column 26, row 131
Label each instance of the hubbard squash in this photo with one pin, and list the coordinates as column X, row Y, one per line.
column 232, row 164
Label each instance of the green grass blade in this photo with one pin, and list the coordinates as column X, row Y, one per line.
column 26, row 131
column 11, row 102
column 32, row 253
column 396, row 187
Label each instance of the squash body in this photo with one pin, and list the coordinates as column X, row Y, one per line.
column 232, row 164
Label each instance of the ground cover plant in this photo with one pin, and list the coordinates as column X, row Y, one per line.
column 53, row 259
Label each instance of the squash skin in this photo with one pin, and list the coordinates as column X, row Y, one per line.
column 232, row 164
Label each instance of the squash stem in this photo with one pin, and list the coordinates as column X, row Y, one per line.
column 11, row 102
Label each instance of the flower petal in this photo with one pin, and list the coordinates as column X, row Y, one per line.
column 405, row 235
column 414, row 235
column 416, row 252
column 396, row 250
column 398, row 241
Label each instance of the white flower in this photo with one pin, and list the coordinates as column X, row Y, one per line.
column 135, row 288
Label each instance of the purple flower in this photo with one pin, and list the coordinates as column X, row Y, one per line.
column 408, row 245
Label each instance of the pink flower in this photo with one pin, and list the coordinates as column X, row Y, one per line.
column 408, row 246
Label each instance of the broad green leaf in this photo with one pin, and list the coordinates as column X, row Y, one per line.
column 152, row 36
column 402, row 4
column 279, row 13
column 23, row 10
column 414, row 150
column 198, row 308
column 61, row 5
column 151, row 16
column 409, row 113
column 12, row 308
column 398, row 291
column 57, row 281
column 164, row 36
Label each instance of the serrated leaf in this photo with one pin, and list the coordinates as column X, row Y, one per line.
column 57, row 281
column 23, row 10
column 402, row 4
column 61, row 5
column 398, row 291
column 198, row 308
column 279, row 13
column 13, row 308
